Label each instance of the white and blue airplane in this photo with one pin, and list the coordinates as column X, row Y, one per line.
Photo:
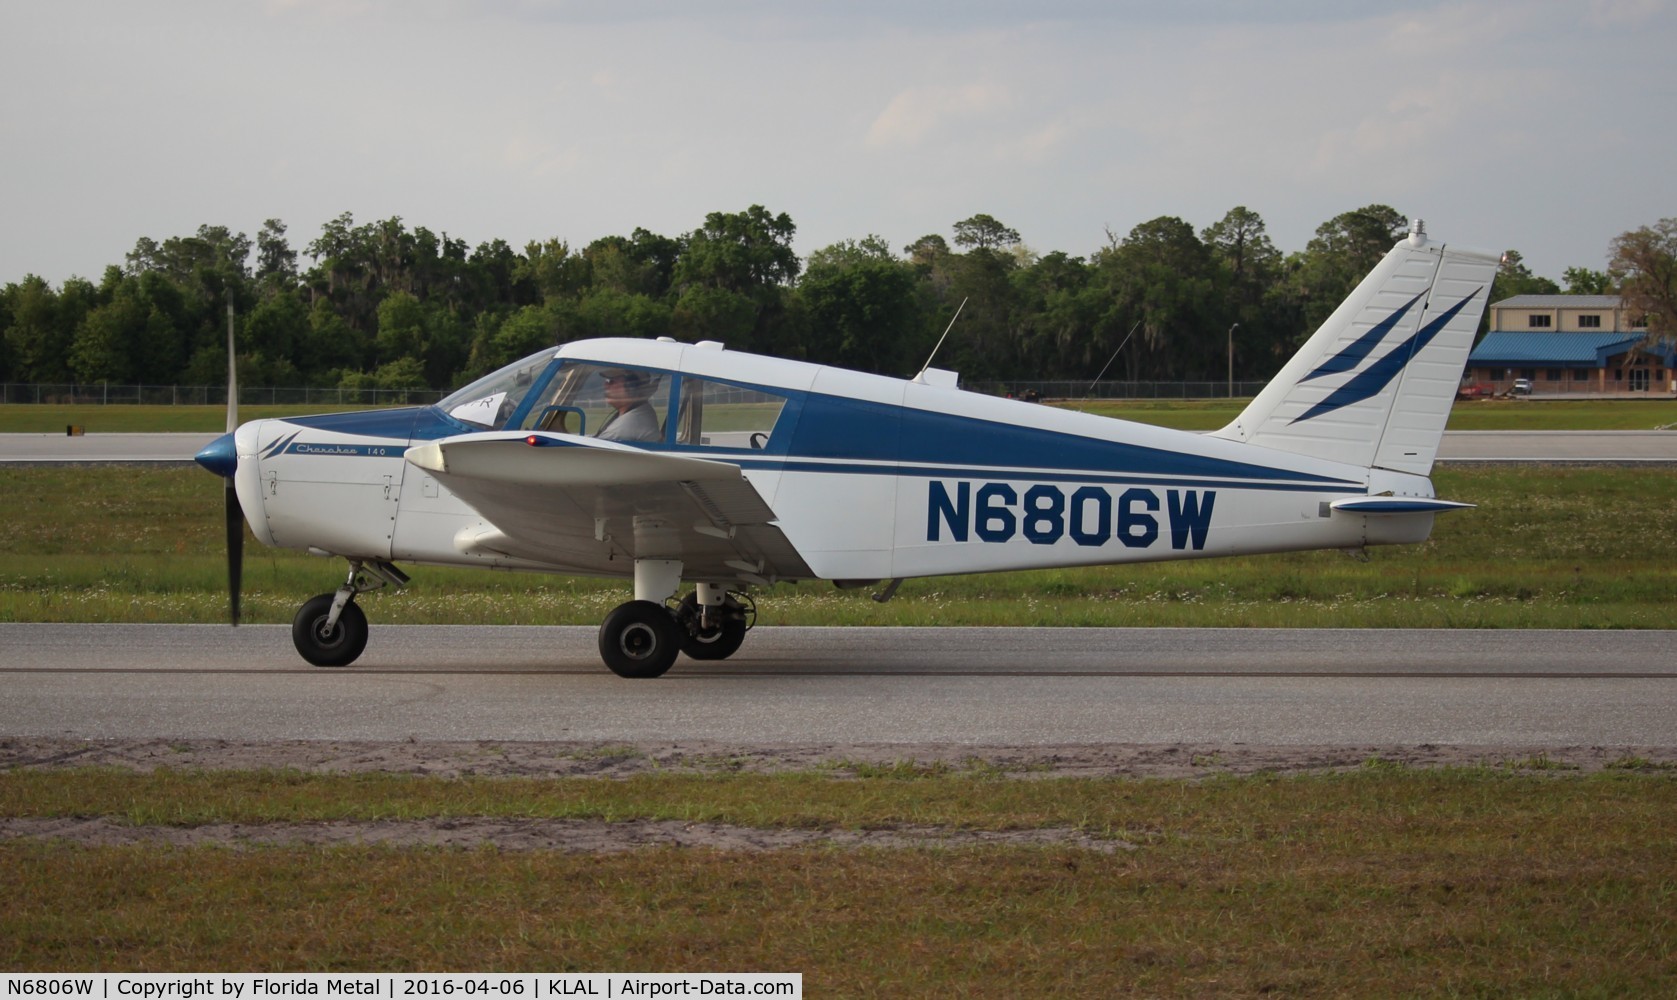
column 665, row 462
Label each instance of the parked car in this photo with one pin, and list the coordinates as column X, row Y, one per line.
column 1476, row 390
column 1521, row 387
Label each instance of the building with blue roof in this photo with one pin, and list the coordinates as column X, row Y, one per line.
column 1572, row 344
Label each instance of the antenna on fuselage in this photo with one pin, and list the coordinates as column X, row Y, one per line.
column 1089, row 392
column 940, row 340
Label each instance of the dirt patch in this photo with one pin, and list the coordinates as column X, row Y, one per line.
column 575, row 836
column 618, row 761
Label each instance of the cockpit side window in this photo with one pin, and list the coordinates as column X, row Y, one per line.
column 719, row 415
column 609, row 402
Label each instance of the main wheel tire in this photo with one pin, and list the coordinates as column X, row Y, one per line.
column 721, row 640
column 340, row 646
column 639, row 639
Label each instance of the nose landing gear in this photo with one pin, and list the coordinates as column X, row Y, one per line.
column 330, row 630
column 326, row 642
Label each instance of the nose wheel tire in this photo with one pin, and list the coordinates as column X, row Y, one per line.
column 337, row 647
column 639, row 639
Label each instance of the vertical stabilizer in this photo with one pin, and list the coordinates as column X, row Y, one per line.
column 1373, row 386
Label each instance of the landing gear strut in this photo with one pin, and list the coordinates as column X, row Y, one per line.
column 641, row 638
column 330, row 630
column 714, row 632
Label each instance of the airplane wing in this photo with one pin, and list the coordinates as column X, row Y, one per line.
column 595, row 506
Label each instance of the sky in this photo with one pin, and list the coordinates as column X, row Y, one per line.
column 1545, row 126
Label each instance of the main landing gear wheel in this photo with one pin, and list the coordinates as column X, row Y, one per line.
column 722, row 639
column 335, row 647
column 639, row 639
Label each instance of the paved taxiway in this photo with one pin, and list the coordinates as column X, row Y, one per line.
column 809, row 686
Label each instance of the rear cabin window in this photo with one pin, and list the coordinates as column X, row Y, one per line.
column 718, row 415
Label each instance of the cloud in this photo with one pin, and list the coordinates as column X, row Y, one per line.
column 534, row 157
column 577, row 118
column 1040, row 145
column 921, row 113
column 1617, row 13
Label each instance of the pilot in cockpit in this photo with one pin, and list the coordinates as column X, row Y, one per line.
column 627, row 393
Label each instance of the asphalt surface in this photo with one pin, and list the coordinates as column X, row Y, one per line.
column 801, row 686
column 1559, row 446
column 1458, row 446
column 100, row 449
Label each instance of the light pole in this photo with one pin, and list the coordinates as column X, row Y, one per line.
column 1231, row 358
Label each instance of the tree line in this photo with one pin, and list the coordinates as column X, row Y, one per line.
column 382, row 305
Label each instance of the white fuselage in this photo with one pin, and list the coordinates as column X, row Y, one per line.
column 868, row 478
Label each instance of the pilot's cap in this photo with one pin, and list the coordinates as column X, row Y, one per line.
column 632, row 378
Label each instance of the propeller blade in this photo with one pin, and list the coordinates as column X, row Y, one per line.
column 232, row 375
column 235, row 549
column 235, row 515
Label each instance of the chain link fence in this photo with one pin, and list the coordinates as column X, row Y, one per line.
column 215, row 395
column 210, row 395
column 1118, row 389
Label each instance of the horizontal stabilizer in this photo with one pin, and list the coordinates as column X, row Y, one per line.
column 1398, row 505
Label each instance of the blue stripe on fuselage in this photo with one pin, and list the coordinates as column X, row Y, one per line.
column 1277, row 481
column 407, row 423
column 865, row 433
column 395, row 430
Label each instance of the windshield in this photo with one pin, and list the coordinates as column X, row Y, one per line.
column 488, row 402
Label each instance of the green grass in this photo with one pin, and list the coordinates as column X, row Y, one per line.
column 1198, row 415
column 1549, row 547
column 1382, row 882
column 1526, row 414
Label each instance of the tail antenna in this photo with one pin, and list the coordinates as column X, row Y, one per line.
column 1089, row 393
column 940, row 340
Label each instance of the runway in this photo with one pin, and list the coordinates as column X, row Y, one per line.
column 807, row 686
